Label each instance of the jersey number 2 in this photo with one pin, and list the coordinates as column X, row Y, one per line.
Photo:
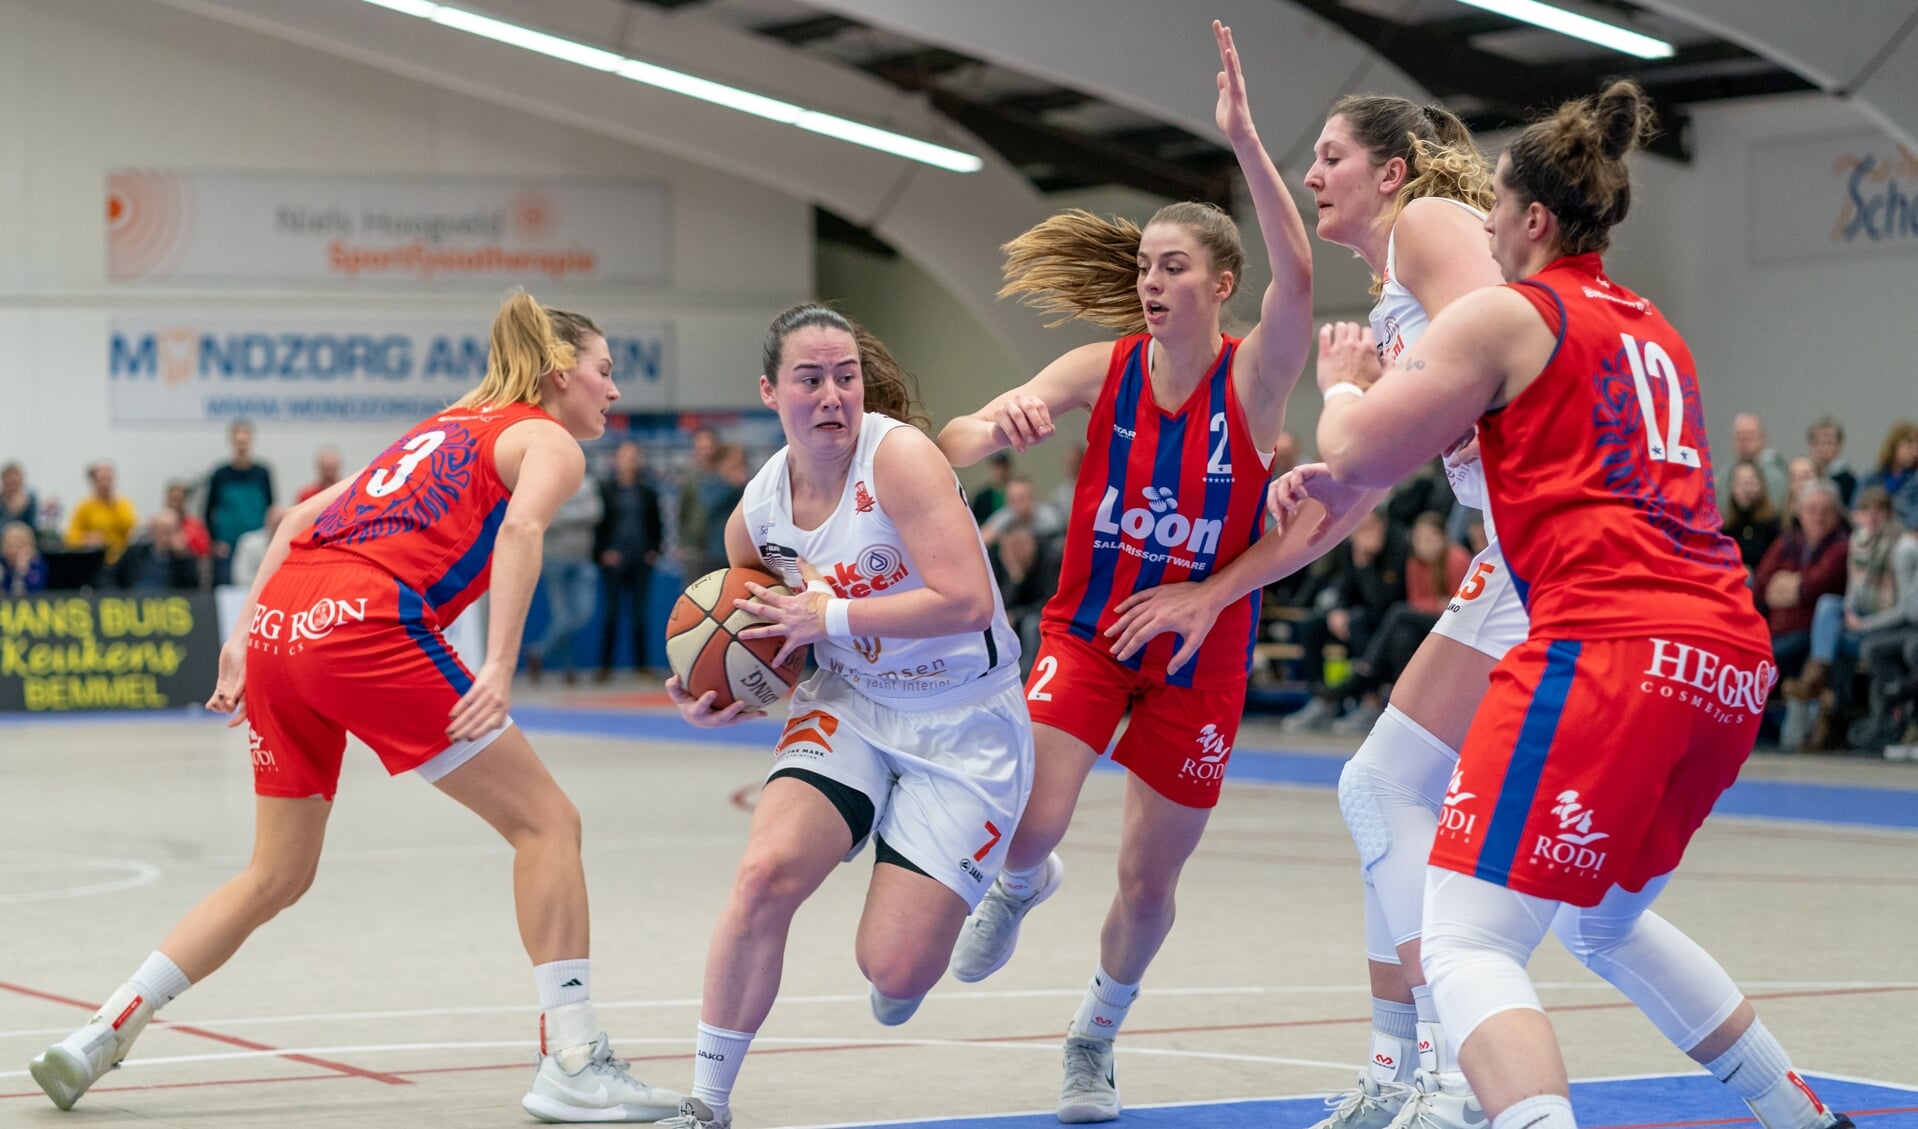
column 1649, row 359
column 383, row 482
column 1047, row 666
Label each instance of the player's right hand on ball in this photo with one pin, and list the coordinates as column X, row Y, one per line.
column 700, row 712
column 1022, row 421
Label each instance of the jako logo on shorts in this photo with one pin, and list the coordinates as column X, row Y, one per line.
column 1159, row 520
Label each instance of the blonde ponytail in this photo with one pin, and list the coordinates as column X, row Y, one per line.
column 523, row 349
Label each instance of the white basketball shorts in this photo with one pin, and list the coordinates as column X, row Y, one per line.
column 1485, row 613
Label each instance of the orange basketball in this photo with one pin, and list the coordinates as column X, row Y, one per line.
column 705, row 651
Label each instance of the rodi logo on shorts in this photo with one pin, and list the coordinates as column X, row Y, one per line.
column 1703, row 679
column 1159, row 520
column 1451, row 819
column 1571, row 848
column 1209, row 764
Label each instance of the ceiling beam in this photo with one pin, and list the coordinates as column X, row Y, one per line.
column 807, row 30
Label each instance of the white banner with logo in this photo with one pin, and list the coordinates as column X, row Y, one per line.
column 325, row 368
column 187, row 225
column 1852, row 194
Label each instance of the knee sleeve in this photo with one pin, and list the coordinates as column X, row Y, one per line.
column 1378, row 938
column 1680, row 988
column 1389, row 793
column 1478, row 937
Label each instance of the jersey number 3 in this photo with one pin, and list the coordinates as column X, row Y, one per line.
column 383, row 482
column 1649, row 360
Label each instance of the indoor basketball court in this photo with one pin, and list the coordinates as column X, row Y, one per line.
column 396, row 994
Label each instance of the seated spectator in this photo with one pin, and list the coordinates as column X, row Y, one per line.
column 250, row 549
column 22, row 570
column 1749, row 517
column 326, row 472
column 1798, row 472
column 1825, row 443
column 1751, row 444
column 1426, row 490
column 1806, row 562
column 1027, row 571
column 1022, row 510
column 993, row 494
column 1898, row 470
column 1369, row 578
column 1433, row 572
column 17, row 503
column 1836, row 626
column 163, row 559
column 198, row 541
column 1890, row 649
column 103, row 519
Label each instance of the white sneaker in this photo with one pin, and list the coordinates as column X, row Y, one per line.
column 1090, row 1092
column 890, row 1012
column 1316, row 714
column 1371, row 1104
column 69, row 1067
column 1441, row 1101
column 599, row 1091
column 988, row 937
column 695, row 1114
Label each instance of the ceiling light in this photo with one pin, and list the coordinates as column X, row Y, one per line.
column 1574, row 25
column 692, row 86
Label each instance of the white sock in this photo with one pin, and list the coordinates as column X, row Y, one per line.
column 716, row 1061
column 1757, row 1069
column 563, row 982
column 1104, row 1007
column 1394, row 1026
column 568, row 1033
column 159, row 980
column 1023, row 883
column 1547, row 1111
column 1436, row 1052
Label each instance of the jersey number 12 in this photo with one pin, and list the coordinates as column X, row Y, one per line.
column 1649, row 360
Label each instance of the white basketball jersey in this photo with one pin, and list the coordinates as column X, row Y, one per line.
column 1397, row 321
column 861, row 554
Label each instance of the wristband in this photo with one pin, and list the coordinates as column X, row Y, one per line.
column 837, row 626
column 820, row 587
column 1343, row 388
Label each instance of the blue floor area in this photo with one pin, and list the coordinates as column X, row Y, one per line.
column 1692, row 1099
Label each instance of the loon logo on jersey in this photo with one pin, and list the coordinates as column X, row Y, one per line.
column 1571, row 848
column 1703, row 680
column 1209, row 762
column 1158, row 522
column 1451, row 819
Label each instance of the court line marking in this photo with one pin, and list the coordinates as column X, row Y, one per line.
column 971, row 996
column 144, row 874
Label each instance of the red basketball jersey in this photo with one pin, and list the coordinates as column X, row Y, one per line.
column 428, row 508
column 1162, row 497
column 1601, row 477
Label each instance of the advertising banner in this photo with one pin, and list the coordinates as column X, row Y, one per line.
column 325, row 368
column 139, row 651
column 1823, row 197
column 184, row 225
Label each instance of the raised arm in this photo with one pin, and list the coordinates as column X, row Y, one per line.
column 1023, row 416
column 1273, row 354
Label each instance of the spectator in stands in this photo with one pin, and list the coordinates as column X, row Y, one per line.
column 1751, row 444
column 992, row 495
column 1798, row 472
column 1749, row 516
column 1368, row 578
column 22, row 570
column 1433, row 572
column 570, row 580
column 733, row 474
column 1897, row 465
column 198, row 541
column 1806, row 562
column 626, row 544
column 103, row 519
column 250, row 550
column 1427, row 490
column 699, row 486
column 163, row 559
column 1890, row 650
column 1022, row 510
column 1838, row 621
column 17, row 503
column 326, row 472
column 1825, row 443
column 237, row 497
column 1026, row 568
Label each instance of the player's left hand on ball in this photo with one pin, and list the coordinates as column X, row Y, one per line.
column 1185, row 609
column 700, row 712
column 798, row 617
column 482, row 708
column 1348, row 354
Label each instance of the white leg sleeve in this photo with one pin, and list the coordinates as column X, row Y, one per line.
column 1389, row 793
column 1478, row 937
column 1680, row 988
column 1378, row 939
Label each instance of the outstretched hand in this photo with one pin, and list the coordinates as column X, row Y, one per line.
column 1234, row 113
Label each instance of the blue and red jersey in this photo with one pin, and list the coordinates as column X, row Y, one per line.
column 428, row 508
column 1600, row 476
column 1163, row 497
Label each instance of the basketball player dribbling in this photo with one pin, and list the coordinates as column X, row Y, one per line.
column 341, row 633
column 912, row 733
column 1183, row 424
column 1607, row 736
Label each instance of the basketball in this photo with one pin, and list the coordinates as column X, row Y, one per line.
column 705, row 651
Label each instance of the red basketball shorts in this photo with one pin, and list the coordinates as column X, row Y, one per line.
column 338, row 648
column 1180, row 737
column 1590, row 765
